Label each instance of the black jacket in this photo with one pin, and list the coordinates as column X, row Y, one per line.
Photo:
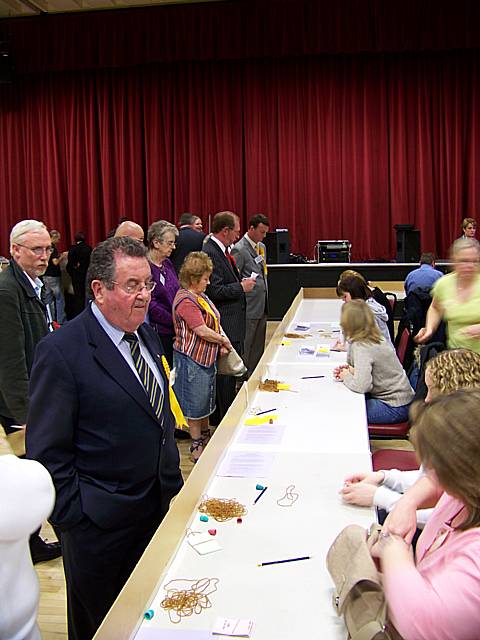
column 23, row 324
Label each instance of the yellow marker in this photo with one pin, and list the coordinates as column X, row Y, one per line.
column 283, row 387
column 285, row 343
column 257, row 420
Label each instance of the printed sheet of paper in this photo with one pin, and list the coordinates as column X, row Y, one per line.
column 261, row 434
column 246, row 464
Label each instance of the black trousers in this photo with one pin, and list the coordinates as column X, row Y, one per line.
column 97, row 564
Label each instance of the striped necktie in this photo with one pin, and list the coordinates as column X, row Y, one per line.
column 261, row 252
column 149, row 381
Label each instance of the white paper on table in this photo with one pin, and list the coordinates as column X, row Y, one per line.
column 246, row 464
column 203, row 543
column 232, row 627
column 261, row 434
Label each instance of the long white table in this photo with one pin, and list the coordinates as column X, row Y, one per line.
column 324, row 438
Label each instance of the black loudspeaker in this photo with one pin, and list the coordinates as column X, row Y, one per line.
column 278, row 246
column 408, row 243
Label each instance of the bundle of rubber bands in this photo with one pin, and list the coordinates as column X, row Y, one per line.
column 221, row 509
column 186, row 597
column 269, row 385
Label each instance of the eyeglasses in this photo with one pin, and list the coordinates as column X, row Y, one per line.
column 38, row 251
column 136, row 287
column 171, row 243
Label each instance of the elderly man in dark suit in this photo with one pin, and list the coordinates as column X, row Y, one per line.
column 250, row 255
column 100, row 421
column 227, row 291
column 190, row 238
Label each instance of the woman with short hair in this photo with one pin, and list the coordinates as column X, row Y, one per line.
column 161, row 242
column 198, row 341
column 373, row 367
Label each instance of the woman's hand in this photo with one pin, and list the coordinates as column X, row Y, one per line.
column 402, row 520
column 360, row 493
column 225, row 346
column 373, row 477
column 338, row 346
column 423, row 336
column 338, row 370
column 391, row 549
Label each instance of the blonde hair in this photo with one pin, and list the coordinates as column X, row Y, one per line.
column 195, row 265
column 461, row 245
column 454, row 369
column 358, row 323
column 447, row 439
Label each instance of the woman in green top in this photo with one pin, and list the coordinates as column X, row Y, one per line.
column 456, row 299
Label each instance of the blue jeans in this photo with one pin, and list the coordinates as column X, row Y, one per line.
column 379, row 412
column 55, row 284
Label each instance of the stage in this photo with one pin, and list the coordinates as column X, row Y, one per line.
column 286, row 280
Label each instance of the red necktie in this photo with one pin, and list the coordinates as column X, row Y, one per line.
column 231, row 259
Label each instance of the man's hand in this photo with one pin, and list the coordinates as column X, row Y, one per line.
column 247, row 284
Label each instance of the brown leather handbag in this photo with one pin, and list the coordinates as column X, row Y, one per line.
column 358, row 594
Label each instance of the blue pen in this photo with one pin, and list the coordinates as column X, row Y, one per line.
column 260, row 495
column 311, row 377
column 260, row 413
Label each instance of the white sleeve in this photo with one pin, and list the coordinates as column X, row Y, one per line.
column 400, row 481
column 26, row 499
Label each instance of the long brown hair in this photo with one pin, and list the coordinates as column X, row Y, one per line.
column 446, row 436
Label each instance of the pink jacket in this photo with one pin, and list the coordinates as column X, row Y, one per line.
column 439, row 599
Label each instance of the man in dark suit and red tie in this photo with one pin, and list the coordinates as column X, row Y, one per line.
column 100, row 422
column 227, row 291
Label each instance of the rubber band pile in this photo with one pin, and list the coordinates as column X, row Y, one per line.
column 269, row 385
column 222, row 509
column 186, row 597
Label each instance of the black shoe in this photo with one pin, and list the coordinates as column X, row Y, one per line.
column 44, row 551
column 182, row 435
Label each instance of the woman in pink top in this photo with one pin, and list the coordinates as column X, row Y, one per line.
column 437, row 595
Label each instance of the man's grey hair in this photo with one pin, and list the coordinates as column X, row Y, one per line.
column 157, row 231
column 102, row 260
column 464, row 243
column 23, row 227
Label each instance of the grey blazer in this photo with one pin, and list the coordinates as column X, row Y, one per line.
column 245, row 256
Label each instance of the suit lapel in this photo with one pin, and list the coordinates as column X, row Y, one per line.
column 232, row 269
column 114, row 364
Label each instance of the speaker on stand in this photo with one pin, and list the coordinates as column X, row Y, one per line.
column 408, row 243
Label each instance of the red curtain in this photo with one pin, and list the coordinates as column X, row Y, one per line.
column 331, row 146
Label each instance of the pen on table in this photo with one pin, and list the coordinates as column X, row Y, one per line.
column 260, row 495
column 260, row 413
column 265, row 564
column 311, row 377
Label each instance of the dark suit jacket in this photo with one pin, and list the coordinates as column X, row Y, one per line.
column 23, row 324
column 91, row 425
column 226, row 292
column 187, row 240
column 77, row 265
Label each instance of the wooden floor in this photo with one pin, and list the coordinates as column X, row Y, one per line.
column 52, row 612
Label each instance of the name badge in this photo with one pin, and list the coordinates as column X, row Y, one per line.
column 162, row 279
column 259, row 259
